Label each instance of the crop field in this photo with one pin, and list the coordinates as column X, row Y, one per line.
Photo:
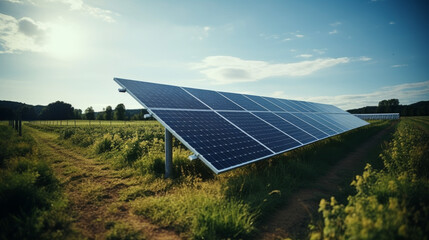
column 105, row 180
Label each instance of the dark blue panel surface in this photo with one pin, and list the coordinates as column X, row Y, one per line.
column 213, row 99
column 263, row 132
column 160, row 96
column 228, row 130
column 219, row 142
column 341, row 118
column 303, row 125
column 339, row 125
column 286, row 127
column 293, row 105
column 309, row 106
column 265, row 103
column 317, row 107
column 302, row 106
column 327, row 123
column 243, row 101
column 281, row 104
column 315, row 123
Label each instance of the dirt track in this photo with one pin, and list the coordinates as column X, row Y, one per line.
column 92, row 189
column 293, row 218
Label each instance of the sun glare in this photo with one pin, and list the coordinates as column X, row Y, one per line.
column 65, row 42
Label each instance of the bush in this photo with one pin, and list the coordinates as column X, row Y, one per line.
column 31, row 204
column 389, row 204
column 122, row 231
column 104, row 145
column 204, row 215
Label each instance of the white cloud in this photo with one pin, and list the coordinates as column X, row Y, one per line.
column 320, row 51
column 304, row 55
column 287, row 39
column 21, row 35
column 227, row 69
column 391, row 22
column 75, row 5
column 365, row 59
column 333, row 32
column 406, row 93
column 299, row 35
column 399, row 65
column 335, row 24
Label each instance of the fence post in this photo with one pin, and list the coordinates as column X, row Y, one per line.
column 20, row 127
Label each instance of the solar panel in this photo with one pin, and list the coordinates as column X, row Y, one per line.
column 229, row 130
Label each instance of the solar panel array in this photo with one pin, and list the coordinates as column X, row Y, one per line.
column 229, row 130
column 378, row 116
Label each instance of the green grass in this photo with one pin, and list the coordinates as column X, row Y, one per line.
column 391, row 202
column 196, row 202
column 32, row 205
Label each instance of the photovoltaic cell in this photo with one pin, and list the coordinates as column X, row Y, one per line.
column 339, row 125
column 222, row 144
column 286, row 127
column 213, row 99
column 293, row 105
column 326, row 123
column 302, row 106
column 279, row 103
column 243, row 101
column 265, row 103
column 315, row 123
column 228, row 130
column 161, row 96
column 303, row 125
column 266, row 134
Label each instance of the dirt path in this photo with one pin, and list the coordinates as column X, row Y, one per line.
column 93, row 192
column 294, row 217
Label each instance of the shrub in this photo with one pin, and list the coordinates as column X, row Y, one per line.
column 389, row 204
column 123, row 231
column 104, row 145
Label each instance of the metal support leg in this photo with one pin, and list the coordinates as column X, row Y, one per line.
column 168, row 153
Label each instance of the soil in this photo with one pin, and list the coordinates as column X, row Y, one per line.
column 94, row 212
column 292, row 220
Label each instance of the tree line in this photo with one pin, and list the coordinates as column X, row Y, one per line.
column 62, row 111
column 393, row 106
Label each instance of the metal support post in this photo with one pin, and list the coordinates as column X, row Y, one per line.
column 168, row 153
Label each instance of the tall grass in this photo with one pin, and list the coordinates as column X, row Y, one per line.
column 196, row 202
column 31, row 203
column 391, row 203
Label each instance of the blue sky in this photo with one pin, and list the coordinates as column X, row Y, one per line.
column 346, row 53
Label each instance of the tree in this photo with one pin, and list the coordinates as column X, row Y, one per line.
column 6, row 114
column 28, row 113
column 57, row 111
column 386, row 106
column 120, row 112
column 140, row 115
column 108, row 114
column 77, row 114
column 100, row 116
column 89, row 113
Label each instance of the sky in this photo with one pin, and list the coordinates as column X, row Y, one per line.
column 347, row 53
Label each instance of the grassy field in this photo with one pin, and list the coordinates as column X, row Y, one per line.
column 118, row 171
column 390, row 202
